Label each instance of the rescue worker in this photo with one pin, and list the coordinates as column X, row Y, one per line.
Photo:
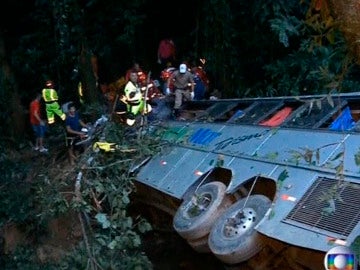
column 135, row 103
column 52, row 106
column 201, row 82
column 165, row 75
column 144, row 81
column 80, row 93
column 136, row 68
column 183, row 81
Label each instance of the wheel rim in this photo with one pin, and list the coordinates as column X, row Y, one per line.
column 198, row 205
column 240, row 223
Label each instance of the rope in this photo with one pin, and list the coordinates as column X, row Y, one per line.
column 247, row 197
column 202, row 181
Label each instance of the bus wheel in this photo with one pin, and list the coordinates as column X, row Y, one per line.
column 233, row 238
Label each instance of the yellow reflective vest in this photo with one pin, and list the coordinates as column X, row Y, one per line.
column 49, row 95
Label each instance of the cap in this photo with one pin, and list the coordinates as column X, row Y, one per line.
column 182, row 68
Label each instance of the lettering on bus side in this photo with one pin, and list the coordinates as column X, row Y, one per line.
column 204, row 136
column 233, row 141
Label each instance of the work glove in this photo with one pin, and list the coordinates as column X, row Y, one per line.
column 167, row 92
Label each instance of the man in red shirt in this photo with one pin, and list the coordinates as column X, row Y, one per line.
column 166, row 51
column 37, row 123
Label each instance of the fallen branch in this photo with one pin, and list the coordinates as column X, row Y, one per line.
column 108, row 165
column 96, row 201
column 88, row 249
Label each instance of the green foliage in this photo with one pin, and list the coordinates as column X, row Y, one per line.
column 253, row 48
column 317, row 64
column 357, row 158
column 17, row 204
column 286, row 51
column 199, row 203
column 286, row 26
column 113, row 241
column 114, row 259
column 272, row 156
column 57, row 32
column 24, row 257
column 218, row 35
column 29, row 205
column 355, row 247
column 305, row 154
column 330, row 196
column 283, row 176
column 279, row 185
column 220, row 161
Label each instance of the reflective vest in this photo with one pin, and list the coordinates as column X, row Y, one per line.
column 132, row 93
column 134, row 102
column 49, row 95
column 80, row 92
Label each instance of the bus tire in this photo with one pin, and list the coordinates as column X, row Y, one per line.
column 196, row 214
column 233, row 238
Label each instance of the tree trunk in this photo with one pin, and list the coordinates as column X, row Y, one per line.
column 88, row 76
column 14, row 114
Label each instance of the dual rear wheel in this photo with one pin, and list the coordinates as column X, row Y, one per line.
column 211, row 223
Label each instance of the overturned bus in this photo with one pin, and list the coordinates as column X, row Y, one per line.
column 249, row 179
